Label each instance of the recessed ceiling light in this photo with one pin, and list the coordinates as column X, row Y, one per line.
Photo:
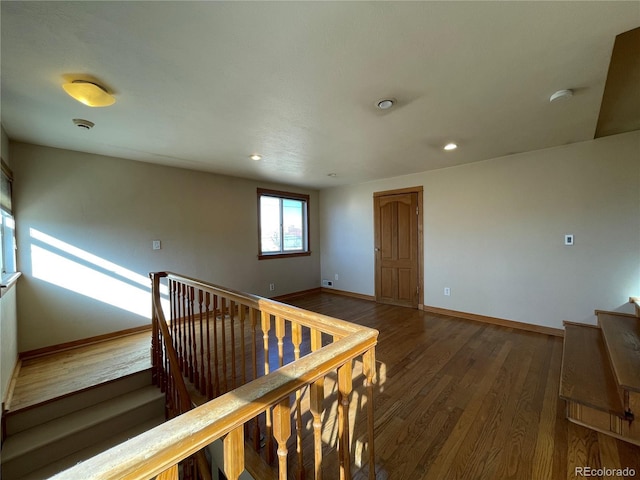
column 89, row 93
column 450, row 146
column 385, row 104
column 256, row 157
column 560, row 95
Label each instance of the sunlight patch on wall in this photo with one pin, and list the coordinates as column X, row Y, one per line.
column 79, row 271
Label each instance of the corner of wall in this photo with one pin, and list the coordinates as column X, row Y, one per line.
column 5, row 145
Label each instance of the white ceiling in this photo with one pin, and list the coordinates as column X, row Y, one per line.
column 202, row 85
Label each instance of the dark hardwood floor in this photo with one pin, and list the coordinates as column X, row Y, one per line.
column 458, row 399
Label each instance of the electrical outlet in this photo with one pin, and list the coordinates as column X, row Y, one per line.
column 568, row 239
column 272, row 287
column 447, row 291
column 156, row 244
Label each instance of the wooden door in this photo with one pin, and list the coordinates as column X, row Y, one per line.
column 396, row 249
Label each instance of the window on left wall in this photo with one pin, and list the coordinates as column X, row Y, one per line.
column 7, row 224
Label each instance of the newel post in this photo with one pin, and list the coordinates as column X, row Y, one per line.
column 155, row 331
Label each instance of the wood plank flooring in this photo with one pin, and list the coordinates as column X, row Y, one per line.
column 456, row 399
column 459, row 399
column 50, row 376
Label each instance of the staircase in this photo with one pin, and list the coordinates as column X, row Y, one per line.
column 600, row 379
column 49, row 437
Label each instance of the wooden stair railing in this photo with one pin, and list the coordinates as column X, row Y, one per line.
column 178, row 398
column 600, row 379
column 260, row 357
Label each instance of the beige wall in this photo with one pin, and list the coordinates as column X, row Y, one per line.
column 88, row 220
column 494, row 233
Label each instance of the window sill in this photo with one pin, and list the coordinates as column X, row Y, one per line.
column 283, row 255
column 8, row 282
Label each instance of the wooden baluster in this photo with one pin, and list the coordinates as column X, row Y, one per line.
column 168, row 386
column 223, row 314
column 207, row 303
column 173, row 327
column 280, row 331
column 174, row 317
column 282, row 431
column 183, row 332
column 266, row 326
column 233, row 445
column 193, row 355
column 369, row 370
column 296, row 339
column 232, row 324
column 202, row 385
column 253, row 316
column 159, row 359
column 344, row 390
column 178, row 336
column 243, row 363
column 216, row 377
column 170, row 473
column 316, row 398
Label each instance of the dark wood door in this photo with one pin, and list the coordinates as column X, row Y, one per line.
column 396, row 245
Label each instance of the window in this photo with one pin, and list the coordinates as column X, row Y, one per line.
column 283, row 224
column 7, row 225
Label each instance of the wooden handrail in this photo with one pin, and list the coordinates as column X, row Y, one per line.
column 156, row 450
column 159, row 449
column 324, row 323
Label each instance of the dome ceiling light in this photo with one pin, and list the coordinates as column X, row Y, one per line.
column 89, row 93
column 450, row 146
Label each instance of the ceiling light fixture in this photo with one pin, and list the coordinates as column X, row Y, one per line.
column 255, row 157
column 561, row 94
column 450, row 146
column 89, row 93
column 332, row 174
column 385, row 104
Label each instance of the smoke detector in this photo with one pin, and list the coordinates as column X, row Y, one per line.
column 385, row 104
column 86, row 124
column 561, row 95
